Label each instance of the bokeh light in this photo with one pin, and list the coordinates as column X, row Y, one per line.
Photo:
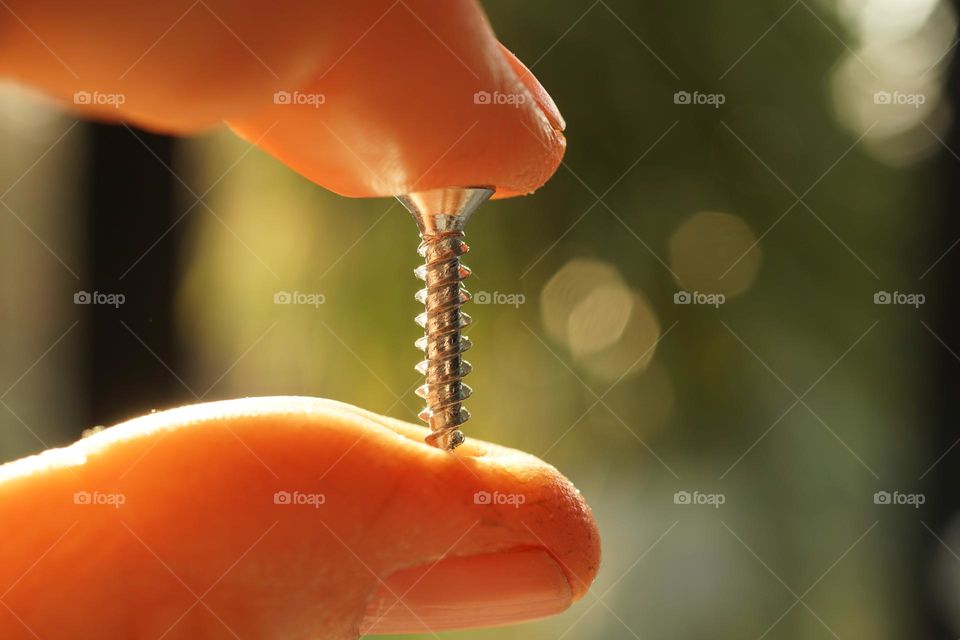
column 607, row 326
column 889, row 88
column 715, row 252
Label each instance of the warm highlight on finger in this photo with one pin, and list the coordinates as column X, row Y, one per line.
column 372, row 98
column 283, row 517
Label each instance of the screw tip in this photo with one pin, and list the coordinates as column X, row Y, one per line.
column 447, row 440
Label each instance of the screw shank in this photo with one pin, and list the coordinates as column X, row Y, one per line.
column 444, row 390
column 441, row 216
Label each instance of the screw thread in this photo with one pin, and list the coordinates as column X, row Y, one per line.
column 443, row 343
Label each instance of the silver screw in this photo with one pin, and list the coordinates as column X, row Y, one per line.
column 442, row 216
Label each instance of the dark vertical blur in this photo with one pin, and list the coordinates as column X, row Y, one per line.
column 945, row 477
column 130, row 198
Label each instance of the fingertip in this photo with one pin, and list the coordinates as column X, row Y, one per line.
column 488, row 590
column 429, row 99
column 528, row 502
column 339, row 510
column 540, row 95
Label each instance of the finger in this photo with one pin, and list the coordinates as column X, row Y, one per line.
column 397, row 81
column 171, row 65
column 283, row 518
column 426, row 99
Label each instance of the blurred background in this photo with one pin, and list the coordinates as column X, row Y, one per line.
column 728, row 318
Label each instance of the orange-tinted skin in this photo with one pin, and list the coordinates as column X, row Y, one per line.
column 198, row 549
column 199, row 520
column 398, row 80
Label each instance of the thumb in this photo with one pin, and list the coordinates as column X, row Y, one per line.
column 372, row 98
column 424, row 98
column 283, row 518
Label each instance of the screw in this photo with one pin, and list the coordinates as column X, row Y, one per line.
column 442, row 215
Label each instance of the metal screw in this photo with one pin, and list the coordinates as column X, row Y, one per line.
column 442, row 215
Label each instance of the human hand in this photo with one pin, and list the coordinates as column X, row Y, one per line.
column 397, row 79
column 398, row 543
column 283, row 518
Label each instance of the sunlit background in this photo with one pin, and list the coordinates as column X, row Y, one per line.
column 690, row 311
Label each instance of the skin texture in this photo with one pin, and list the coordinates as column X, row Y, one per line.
column 194, row 542
column 398, row 79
